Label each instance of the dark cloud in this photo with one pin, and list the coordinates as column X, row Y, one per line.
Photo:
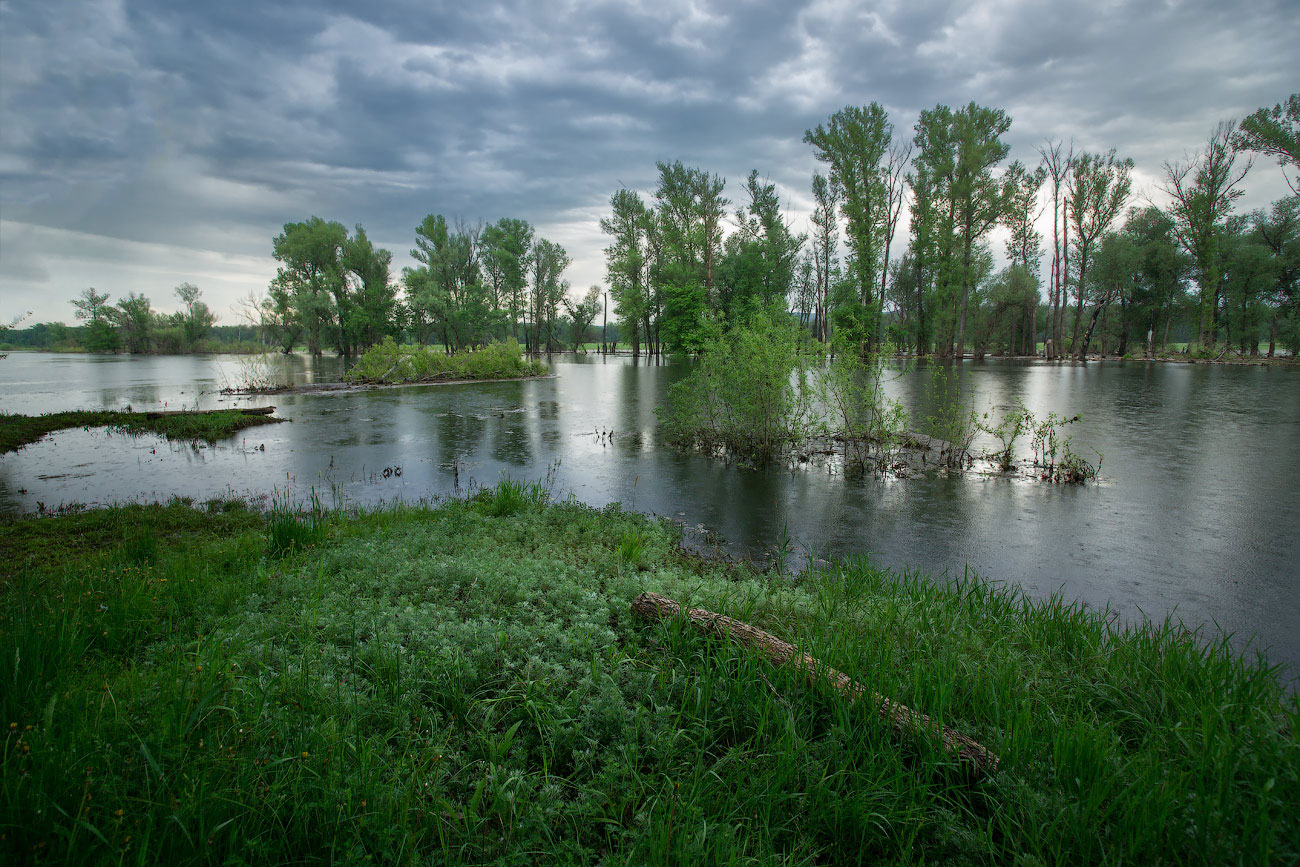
column 192, row 132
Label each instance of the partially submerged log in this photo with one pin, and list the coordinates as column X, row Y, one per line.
column 251, row 410
column 970, row 753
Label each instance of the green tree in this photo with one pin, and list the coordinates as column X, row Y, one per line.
column 1202, row 191
column 582, row 313
column 93, row 308
column 977, row 197
column 1275, row 132
column 135, row 320
column 505, row 251
column 627, row 262
column 1279, row 231
column 372, row 313
column 310, row 284
column 546, row 268
column 1099, row 187
column 825, row 240
column 196, row 319
column 854, row 144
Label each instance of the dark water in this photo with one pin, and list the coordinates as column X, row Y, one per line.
column 1197, row 512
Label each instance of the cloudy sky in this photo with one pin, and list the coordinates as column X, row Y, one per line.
column 143, row 144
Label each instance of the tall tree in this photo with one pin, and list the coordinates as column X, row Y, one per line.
column 546, row 268
column 854, row 143
column 825, row 240
column 310, row 277
column 1202, row 191
column 196, row 319
column 506, row 246
column 1058, row 163
column 94, row 309
column 977, row 197
column 374, row 301
column 135, row 320
column 627, row 260
column 1024, row 242
column 1100, row 185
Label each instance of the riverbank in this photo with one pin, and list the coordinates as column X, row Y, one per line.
column 467, row 683
column 17, row 431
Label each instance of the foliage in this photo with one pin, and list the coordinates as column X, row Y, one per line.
column 748, row 397
column 947, row 420
column 871, row 425
column 390, row 362
column 1275, row 132
column 437, row 685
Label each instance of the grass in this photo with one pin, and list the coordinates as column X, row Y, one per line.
column 388, row 363
column 465, row 684
column 17, row 431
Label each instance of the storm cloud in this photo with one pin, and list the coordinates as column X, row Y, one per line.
column 144, row 144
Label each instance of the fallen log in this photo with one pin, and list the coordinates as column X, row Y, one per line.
column 251, row 410
column 973, row 755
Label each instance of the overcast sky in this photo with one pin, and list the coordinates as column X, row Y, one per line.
column 143, row 144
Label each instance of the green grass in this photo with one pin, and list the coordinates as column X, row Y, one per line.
column 17, row 431
column 465, row 684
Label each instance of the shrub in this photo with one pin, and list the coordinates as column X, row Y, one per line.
column 390, row 362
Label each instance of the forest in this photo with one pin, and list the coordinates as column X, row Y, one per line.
column 897, row 253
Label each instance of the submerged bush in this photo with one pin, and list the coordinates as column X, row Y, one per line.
column 390, row 362
column 750, row 395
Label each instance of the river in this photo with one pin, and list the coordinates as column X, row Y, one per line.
column 1196, row 512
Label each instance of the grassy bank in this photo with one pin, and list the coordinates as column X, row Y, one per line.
column 389, row 362
column 465, row 684
column 17, row 431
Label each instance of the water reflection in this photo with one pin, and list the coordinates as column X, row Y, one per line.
column 1196, row 512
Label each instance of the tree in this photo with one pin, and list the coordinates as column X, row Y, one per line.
column 135, row 319
column 372, row 310
column 1099, row 187
column 310, row 285
column 825, row 239
column 582, row 314
column 1202, row 191
column 1279, row 231
column 505, row 250
column 546, row 268
column 196, row 319
column 93, row 308
column 977, row 197
column 854, row 143
column 1275, row 132
column 1059, row 164
column 627, row 261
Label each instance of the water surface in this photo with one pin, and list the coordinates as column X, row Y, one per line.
column 1196, row 513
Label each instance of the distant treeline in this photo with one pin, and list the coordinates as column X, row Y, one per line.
column 682, row 266
column 1121, row 278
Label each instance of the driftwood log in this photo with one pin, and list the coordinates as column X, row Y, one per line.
column 252, row 410
column 970, row 753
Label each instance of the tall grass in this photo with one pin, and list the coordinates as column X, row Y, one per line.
column 465, row 684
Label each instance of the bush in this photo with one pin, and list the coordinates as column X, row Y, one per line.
column 749, row 396
column 390, row 362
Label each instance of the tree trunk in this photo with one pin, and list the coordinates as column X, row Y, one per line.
column 1272, row 336
column 973, row 755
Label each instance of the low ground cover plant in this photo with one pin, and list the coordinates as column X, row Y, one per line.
column 196, row 684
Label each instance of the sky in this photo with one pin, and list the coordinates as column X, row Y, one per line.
column 145, row 144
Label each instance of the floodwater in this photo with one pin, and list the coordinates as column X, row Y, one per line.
column 1196, row 512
